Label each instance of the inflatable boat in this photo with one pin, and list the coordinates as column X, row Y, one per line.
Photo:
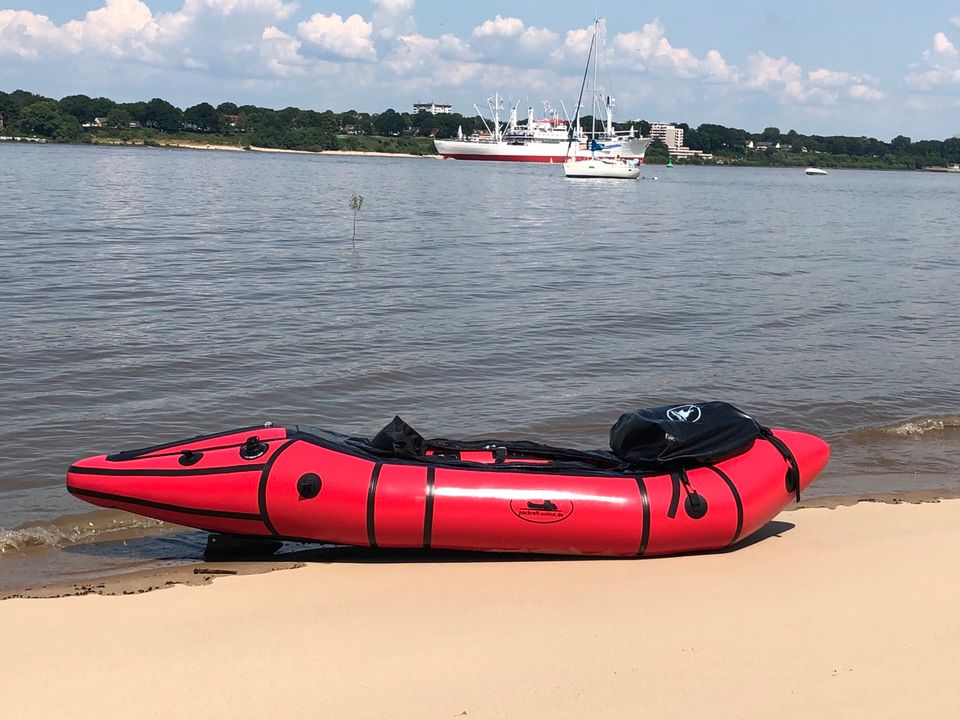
column 295, row 483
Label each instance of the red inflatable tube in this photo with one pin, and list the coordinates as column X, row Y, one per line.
column 285, row 483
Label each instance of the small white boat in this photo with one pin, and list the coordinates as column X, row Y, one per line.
column 601, row 168
column 815, row 171
column 612, row 168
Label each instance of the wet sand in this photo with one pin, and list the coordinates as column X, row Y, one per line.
column 844, row 612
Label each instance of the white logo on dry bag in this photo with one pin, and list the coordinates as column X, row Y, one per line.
column 684, row 413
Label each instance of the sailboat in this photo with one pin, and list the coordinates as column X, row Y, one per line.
column 595, row 167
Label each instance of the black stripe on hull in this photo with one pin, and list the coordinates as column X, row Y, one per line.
column 645, row 505
column 674, row 493
column 262, row 488
column 142, row 472
column 428, row 511
column 371, row 504
column 736, row 498
column 125, row 455
column 166, row 506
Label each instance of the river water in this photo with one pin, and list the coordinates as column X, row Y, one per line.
column 154, row 294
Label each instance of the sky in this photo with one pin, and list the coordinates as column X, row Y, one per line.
column 838, row 67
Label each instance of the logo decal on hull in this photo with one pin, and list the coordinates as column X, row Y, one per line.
column 684, row 413
column 542, row 511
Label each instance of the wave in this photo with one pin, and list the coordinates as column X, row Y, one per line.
column 74, row 529
column 924, row 426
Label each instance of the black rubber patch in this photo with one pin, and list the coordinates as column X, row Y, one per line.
column 308, row 486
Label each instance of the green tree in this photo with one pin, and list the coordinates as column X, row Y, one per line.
column 161, row 115
column 8, row 110
column 389, row 122
column 203, row 117
column 901, row 144
column 45, row 118
column 770, row 134
column 118, row 118
column 657, row 153
column 80, row 106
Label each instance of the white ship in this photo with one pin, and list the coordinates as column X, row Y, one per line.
column 544, row 140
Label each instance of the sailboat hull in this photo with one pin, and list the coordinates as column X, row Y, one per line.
column 599, row 168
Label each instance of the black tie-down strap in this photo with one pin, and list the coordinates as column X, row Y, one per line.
column 695, row 505
column 792, row 478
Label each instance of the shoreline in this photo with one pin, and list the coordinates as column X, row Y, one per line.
column 205, row 572
column 189, row 145
column 830, row 613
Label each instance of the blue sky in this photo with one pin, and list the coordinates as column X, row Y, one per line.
column 853, row 68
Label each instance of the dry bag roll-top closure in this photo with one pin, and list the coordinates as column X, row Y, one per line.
column 675, row 438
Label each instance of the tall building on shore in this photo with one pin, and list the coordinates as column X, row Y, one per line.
column 433, row 108
column 672, row 137
column 669, row 135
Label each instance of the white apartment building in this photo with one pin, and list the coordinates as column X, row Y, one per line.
column 672, row 137
column 669, row 135
column 433, row 108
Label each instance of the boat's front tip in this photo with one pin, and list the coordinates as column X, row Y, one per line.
column 811, row 453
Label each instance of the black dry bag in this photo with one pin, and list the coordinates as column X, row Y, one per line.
column 397, row 439
column 682, row 436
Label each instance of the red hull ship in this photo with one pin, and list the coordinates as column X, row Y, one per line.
column 298, row 484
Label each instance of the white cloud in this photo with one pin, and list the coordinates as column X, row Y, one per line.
column 26, row 34
column 955, row 20
column 499, row 27
column 943, row 46
column 121, row 28
column 281, row 53
column 649, row 49
column 940, row 65
column 856, row 86
column 350, row 38
column 393, row 17
column 860, row 91
column 509, row 36
column 780, row 75
column 275, row 8
column 417, row 53
column 128, row 29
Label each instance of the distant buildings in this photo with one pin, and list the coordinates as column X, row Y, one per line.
column 433, row 108
column 672, row 137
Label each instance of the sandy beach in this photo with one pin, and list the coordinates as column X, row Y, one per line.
column 848, row 612
column 187, row 145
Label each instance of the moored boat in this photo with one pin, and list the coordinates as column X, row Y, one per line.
column 596, row 166
column 650, row 496
column 815, row 171
column 542, row 140
column 592, row 168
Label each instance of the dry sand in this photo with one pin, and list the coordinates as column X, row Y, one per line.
column 852, row 612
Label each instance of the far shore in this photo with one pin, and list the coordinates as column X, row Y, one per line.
column 833, row 613
column 191, row 145
column 187, row 145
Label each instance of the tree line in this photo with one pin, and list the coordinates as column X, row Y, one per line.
column 75, row 117
column 72, row 118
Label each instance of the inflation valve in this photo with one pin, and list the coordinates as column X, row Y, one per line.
column 190, row 457
column 252, row 448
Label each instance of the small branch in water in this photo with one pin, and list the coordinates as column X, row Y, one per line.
column 356, row 202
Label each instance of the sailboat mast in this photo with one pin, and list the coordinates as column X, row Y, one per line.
column 596, row 61
column 576, row 114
